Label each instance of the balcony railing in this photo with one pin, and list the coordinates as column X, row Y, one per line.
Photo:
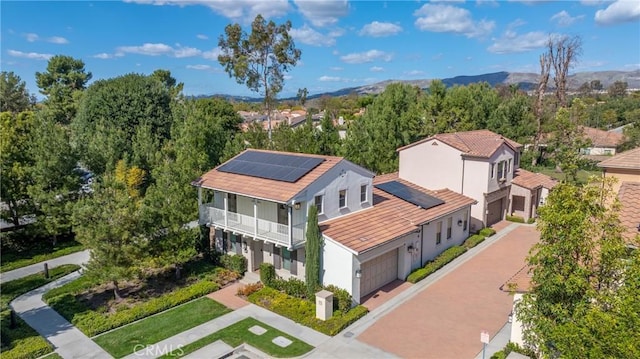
column 250, row 226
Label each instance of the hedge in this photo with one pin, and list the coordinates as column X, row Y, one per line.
column 531, row 220
column 516, row 219
column 267, row 273
column 304, row 311
column 473, row 241
column 487, row 232
column 342, row 300
column 94, row 322
column 439, row 262
column 234, row 262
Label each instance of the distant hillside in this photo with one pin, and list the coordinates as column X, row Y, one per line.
column 526, row 81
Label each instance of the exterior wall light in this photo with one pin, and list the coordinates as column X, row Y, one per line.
column 244, row 246
column 459, row 223
column 358, row 273
column 296, row 205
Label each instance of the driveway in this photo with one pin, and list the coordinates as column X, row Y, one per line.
column 445, row 319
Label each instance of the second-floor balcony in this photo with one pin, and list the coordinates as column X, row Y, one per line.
column 285, row 235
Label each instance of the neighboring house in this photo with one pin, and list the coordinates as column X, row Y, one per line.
column 529, row 190
column 625, row 167
column 518, row 285
column 479, row 164
column 375, row 231
column 603, row 143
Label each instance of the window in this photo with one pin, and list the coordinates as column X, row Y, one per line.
column 493, row 173
column 342, row 198
column 502, row 170
column 363, row 193
column 318, row 201
column 509, row 169
column 439, row 232
column 465, row 221
column 449, row 223
column 232, row 203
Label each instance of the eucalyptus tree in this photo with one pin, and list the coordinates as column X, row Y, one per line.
column 259, row 59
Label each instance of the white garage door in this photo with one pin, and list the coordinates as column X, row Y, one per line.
column 378, row 272
column 495, row 212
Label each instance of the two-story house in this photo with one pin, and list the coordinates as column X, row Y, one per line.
column 375, row 230
column 479, row 164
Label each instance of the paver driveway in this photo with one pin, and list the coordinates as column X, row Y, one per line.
column 445, row 320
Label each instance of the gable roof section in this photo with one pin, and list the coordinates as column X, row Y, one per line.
column 390, row 217
column 629, row 195
column 600, row 138
column 264, row 188
column 479, row 143
column 624, row 160
column 532, row 180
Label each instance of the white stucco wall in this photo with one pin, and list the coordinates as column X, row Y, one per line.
column 476, row 183
column 516, row 325
column 337, row 266
column 458, row 235
column 433, row 165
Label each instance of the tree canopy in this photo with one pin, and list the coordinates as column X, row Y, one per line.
column 14, row 96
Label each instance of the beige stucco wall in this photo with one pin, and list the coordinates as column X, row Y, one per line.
column 433, row 165
column 622, row 176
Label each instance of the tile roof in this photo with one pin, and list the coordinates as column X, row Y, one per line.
column 389, row 218
column 479, row 143
column 519, row 282
column 629, row 195
column 263, row 188
column 626, row 160
column 600, row 138
column 532, row 180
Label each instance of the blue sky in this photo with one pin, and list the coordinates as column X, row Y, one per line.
column 343, row 43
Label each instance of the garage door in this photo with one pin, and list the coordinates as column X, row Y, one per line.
column 495, row 212
column 378, row 272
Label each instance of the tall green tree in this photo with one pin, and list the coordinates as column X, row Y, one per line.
column 584, row 284
column 514, row 119
column 14, row 96
column 313, row 248
column 259, row 59
column 567, row 139
column 328, row 139
column 63, row 82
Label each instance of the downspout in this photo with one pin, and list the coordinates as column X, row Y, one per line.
column 290, row 215
column 200, row 209
column 421, row 244
column 462, row 184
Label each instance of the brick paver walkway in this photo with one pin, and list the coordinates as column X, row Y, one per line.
column 445, row 320
column 227, row 296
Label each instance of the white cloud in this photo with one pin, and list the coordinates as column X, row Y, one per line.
column 31, row 37
column 380, row 29
column 564, row 19
column 57, row 40
column 492, row 3
column 335, row 68
column 322, row 12
column 330, row 79
column 157, row 49
column 414, row 73
column 212, row 54
column 181, row 52
column 447, row 18
column 309, row 36
column 103, row 56
column 29, row 55
column 511, row 42
column 236, row 10
column 592, row 2
column 619, row 12
column 437, row 56
column 202, row 37
column 376, row 69
column 199, row 67
column 368, row 56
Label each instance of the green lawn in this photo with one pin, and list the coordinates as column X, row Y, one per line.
column 12, row 260
column 22, row 341
column 239, row 333
column 121, row 342
column 52, row 356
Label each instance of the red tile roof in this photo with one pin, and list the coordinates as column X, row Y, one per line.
column 390, row 217
column 531, row 180
column 624, row 160
column 480, row 143
column 263, row 188
column 600, row 138
column 629, row 195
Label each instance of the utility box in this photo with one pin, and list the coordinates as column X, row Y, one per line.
column 324, row 304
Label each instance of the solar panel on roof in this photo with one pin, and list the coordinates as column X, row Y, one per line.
column 275, row 166
column 409, row 194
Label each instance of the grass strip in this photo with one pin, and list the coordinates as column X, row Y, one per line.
column 13, row 260
column 151, row 330
column 238, row 333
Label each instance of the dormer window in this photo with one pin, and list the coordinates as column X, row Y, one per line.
column 502, row 170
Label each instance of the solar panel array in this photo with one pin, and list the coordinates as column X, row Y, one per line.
column 275, row 166
column 409, row 194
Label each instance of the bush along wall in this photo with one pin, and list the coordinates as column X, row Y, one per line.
column 439, row 262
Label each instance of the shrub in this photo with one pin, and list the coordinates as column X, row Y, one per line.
column 531, row 220
column 249, row 289
column 473, row 241
column 439, row 262
column 516, row 219
column 234, row 262
column 22, row 341
column 342, row 300
column 513, row 347
column 293, row 287
column 267, row 273
column 303, row 311
column 487, row 232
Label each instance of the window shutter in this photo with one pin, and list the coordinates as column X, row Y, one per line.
column 294, row 262
column 276, row 258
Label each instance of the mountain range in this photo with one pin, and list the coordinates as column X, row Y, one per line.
column 525, row 81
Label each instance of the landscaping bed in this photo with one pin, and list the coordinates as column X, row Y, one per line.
column 22, row 341
column 304, row 311
column 238, row 334
column 154, row 329
column 93, row 309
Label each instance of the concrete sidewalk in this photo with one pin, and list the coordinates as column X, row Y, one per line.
column 78, row 258
column 68, row 341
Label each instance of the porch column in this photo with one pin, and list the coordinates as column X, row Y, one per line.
column 226, row 210
column 255, row 219
column 289, row 214
column 199, row 197
column 202, row 214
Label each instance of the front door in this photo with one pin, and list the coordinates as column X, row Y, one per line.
column 257, row 254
